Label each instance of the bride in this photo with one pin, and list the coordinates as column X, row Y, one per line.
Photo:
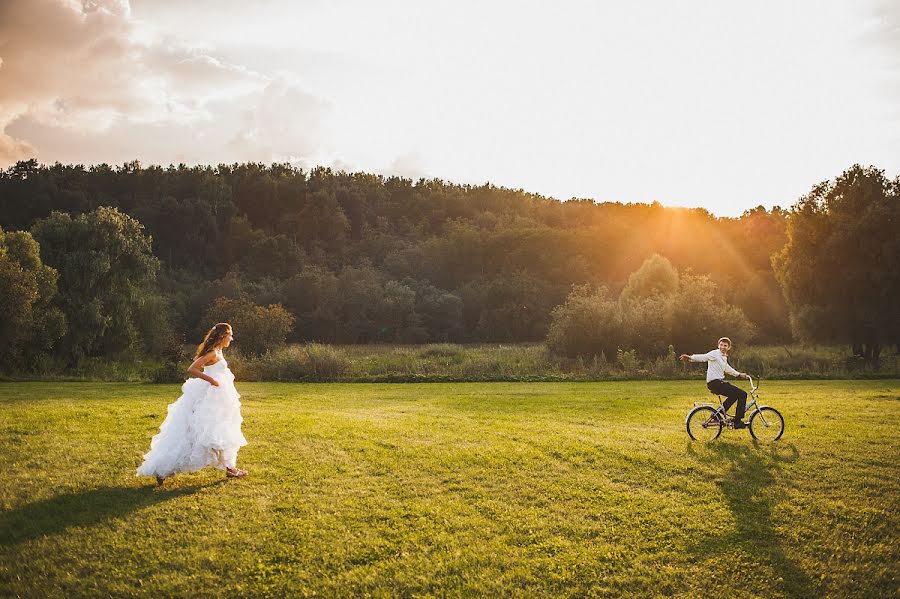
column 203, row 426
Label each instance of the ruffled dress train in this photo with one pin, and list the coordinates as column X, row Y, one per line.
column 202, row 428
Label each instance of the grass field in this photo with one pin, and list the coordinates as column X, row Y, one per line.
column 526, row 489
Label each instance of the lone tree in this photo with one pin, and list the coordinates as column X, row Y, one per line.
column 839, row 269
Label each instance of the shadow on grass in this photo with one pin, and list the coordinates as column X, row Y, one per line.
column 749, row 486
column 86, row 508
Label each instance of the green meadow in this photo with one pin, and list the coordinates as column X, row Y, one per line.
column 465, row 489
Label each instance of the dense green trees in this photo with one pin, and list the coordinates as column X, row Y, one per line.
column 105, row 267
column 839, row 267
column 29, row 324
column 355, row 258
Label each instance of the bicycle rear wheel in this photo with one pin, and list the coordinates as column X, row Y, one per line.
column 766, row 424
column 704, row 424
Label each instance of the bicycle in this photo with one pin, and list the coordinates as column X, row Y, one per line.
column 706, row 421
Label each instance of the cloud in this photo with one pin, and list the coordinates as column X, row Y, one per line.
column 410, row 165
column 89, row 69
column 880, row 33
column 13, row 149
column 884, row 27
column 283, row 122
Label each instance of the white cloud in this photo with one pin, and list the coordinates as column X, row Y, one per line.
column 90, row 69
column 282, row 121
column 410, row 165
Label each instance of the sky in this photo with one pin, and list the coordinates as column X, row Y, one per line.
column 722, row 105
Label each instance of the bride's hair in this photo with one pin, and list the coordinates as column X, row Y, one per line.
column 213, row 338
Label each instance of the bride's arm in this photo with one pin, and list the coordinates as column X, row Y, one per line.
column 194, row 368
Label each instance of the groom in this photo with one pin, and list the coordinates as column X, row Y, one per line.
column 717, row 366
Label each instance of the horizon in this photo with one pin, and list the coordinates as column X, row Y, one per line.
column 721, row 108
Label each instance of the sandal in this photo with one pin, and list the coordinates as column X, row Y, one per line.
column 235, row 473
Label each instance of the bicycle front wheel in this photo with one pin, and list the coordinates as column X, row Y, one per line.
column 704, row 424
column 766, row 424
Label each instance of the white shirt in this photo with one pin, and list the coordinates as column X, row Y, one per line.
column 717, row 365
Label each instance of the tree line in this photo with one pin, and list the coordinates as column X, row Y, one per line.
column 101, row 260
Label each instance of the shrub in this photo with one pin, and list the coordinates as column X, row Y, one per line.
column 659, row 309
column 599, row 366
column 647, row 324
column 627, row 360
column 174, row 362
column 665, row 366
column 257, row 329
column 446, row 353
column 700, row 316
column 589, row 323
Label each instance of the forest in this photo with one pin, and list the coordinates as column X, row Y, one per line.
column 107, row 261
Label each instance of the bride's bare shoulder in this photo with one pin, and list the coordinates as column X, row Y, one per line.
column 207, row 359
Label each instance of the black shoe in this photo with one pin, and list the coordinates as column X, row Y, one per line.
column 739, row 424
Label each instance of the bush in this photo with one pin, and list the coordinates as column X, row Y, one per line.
column 660, row 310
column 628, row 360
column 647, row 325
column 257, row 329
column 175, row 359
column 588, row 324
column 700, row 316
column 443, row 352
column 665, row 366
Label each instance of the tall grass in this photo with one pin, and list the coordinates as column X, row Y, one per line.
column 811, row 361
column 475, row 363
column 312, row 362
column 128, row 370
column 534, row 362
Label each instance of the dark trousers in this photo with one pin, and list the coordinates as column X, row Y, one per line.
column 732, row 394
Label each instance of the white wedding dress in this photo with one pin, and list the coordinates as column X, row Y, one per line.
column 202, row 428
